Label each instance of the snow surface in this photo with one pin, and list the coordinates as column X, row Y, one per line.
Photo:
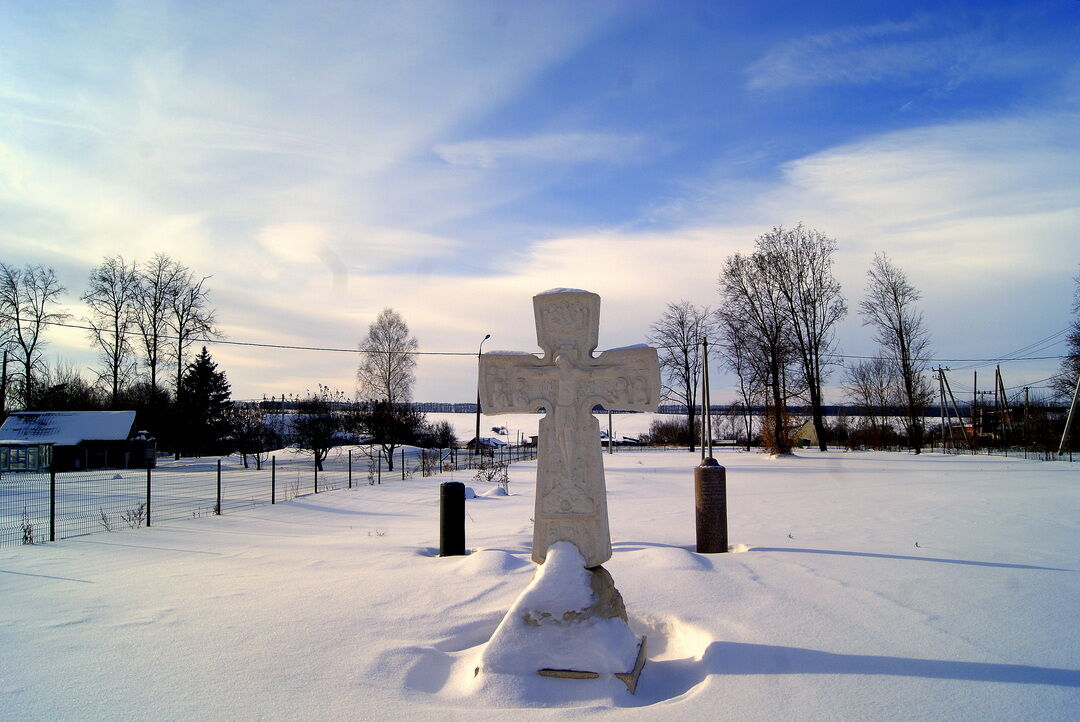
column 337, row 606
column 552, row 291
column 550, row 626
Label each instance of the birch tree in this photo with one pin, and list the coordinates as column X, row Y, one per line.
column 385, row 378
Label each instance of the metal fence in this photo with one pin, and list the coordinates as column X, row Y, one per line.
column 1011, row 452
column 40, row 507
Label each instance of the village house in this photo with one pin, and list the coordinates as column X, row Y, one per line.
column 73, row 440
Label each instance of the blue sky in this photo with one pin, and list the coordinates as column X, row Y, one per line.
column 450, row 159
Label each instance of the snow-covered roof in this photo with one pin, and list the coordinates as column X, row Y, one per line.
column 487, row 441
column 66, row 428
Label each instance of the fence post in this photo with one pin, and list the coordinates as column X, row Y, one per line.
column 350, row 468
column 316, row 474
column 403, row 463
column 273, row 479
column 378, row 464
column 148, row 496
column 217, row 509
column 52, row 505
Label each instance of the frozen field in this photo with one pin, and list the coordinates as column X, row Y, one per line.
column 336, row 607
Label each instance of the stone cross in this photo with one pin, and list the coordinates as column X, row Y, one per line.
column 568, row 381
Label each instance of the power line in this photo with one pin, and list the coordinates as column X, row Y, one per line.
column 275, row 345
column 331, row 349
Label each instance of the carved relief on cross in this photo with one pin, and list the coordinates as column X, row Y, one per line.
column 568, row 381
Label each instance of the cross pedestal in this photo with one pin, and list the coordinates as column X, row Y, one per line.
column 570, row 621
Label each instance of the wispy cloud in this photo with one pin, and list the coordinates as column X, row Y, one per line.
column 554, row 148
column 923, row 50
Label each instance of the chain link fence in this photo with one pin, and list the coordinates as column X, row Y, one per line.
column 41, row 507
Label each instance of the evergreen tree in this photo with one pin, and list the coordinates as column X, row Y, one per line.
column 202, row 406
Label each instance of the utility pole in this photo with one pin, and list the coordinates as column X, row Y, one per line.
column 610, row 437
column 956, row 411
column 476, row 441
column 1025, row 420
column 941, row 404
column 1069, row 420
column 706, row 396
column 976, row 426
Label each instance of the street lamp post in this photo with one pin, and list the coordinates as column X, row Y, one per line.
column 476, row 439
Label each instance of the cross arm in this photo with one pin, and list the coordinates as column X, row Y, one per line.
column 514, row 383
column 627, row 379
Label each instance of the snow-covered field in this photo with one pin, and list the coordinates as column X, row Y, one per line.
column 337, row 607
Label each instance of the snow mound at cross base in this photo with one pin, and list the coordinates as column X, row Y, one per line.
column 491, row 562
column 554, row 624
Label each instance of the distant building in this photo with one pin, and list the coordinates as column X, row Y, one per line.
column 73, row 440
column 487, row 444
column 806, row 435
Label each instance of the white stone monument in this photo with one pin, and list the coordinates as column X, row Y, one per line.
column 571, row 620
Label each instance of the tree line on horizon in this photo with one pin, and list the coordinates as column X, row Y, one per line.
column 144, row 316
column 775, row 328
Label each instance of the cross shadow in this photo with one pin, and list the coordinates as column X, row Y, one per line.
column 874, row 555
column 46, row 576
column 667, row 679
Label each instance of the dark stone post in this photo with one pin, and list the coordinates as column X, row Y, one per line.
column 217, row 508
column 710, row 502
column 451, row 519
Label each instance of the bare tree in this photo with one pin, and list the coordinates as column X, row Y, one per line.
column 252, row 435
column 677, row 336
column 158, row 284
column 321, row 417
column 871, row 386
column 799, row 263
column 111, row 295
column 1064, row 383
column 191, row 317
column 28, row 297
column 387, row 363
column 889, row 306
column 753, row 302
column 60, row 386
column 738, row 357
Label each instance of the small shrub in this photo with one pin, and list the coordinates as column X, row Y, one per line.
column 27, row 528
column 104, row 521
column 493, row 472
column 134, row 518
column 429, row 461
